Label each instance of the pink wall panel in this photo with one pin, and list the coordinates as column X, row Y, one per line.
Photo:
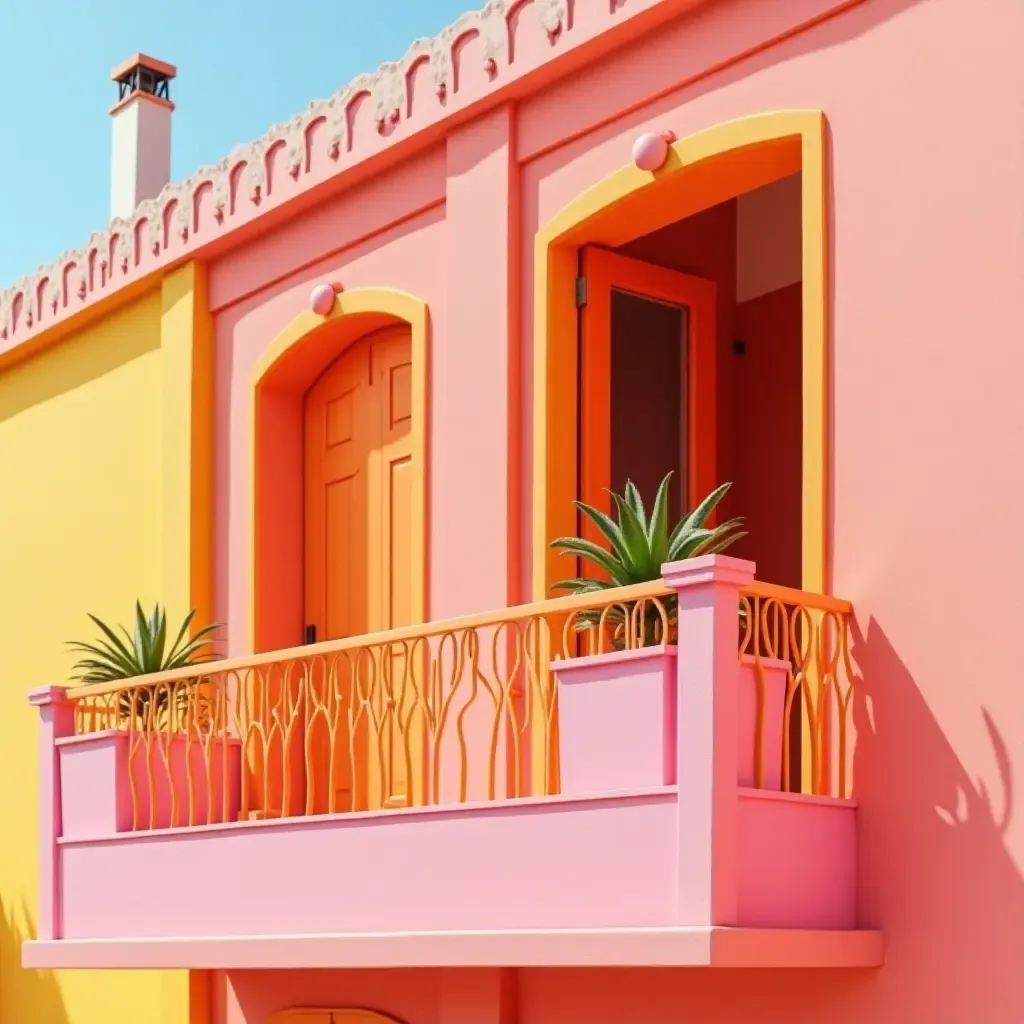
column 470, row 557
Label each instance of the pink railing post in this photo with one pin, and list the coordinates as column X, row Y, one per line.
column 56, row 720
column 708, row 590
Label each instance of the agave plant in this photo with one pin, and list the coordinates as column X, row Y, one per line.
column 140, row 653
column 638, row 547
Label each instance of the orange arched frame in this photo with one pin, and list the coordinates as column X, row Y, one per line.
column 280, row 380
column 701, row 170
column 329, row 1016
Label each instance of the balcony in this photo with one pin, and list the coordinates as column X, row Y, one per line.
column 590, row 780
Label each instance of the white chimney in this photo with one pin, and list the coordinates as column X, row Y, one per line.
column 141, row 151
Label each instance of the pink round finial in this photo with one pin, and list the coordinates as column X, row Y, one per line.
column 650, row 151
column 321, row 299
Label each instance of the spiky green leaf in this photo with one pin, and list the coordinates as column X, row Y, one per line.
column 657, row 528
column 606, row 525
column 717, row 546
column 583, row 585
column 141, row 652
column 182, row 633
column 128, row 650
column 638, row 552
column 699, row 516
column 596, row 554
column 636, row 503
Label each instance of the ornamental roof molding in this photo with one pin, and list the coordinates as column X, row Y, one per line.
column 479, row 53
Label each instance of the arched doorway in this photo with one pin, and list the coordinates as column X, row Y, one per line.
column 701, row 171
column 338, row 528
column 633, row 228
column 313, row 351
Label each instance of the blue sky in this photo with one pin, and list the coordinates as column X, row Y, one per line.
column 242, row 65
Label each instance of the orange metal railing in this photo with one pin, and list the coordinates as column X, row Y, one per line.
column 440, row 713
column 432, row 714
column 810, row 633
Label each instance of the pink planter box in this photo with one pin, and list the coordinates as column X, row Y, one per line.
column 617, row 721
column 96, row 782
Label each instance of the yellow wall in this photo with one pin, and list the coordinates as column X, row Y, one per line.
column 83, row 479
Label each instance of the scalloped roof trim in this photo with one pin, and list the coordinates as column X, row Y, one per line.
column 241, row 186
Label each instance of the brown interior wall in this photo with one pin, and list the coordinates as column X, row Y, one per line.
column 767, row 402
column 705, row 245
column 759, row 391
column 646, row 439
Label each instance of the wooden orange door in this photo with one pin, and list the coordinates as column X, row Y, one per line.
column 341, row 432
column 358, row 449
column 400, row 736
column 647, row 382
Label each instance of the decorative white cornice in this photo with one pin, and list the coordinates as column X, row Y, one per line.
column 327, row 137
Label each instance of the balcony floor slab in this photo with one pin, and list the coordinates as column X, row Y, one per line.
column 616, row 947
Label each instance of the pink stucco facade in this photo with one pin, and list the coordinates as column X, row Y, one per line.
column 925, row 216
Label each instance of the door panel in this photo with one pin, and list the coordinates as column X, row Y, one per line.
column 358, row 568
column 401, row 733
column 630, row 376
column 339, row 437
column 392, row 375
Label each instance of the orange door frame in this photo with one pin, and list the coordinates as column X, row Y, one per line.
column 605, row 271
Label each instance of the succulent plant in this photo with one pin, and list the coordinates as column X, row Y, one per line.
column 639, row 544
column 142, row 652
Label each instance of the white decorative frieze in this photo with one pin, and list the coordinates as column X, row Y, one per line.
column 239, row 182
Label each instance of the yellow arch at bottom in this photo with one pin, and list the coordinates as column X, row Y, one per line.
column 361, row 310
column 329, row 1017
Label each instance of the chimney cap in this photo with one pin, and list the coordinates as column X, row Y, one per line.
column 140, row 60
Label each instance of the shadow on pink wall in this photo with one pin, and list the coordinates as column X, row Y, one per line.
column 935, row 868
column 935, row 874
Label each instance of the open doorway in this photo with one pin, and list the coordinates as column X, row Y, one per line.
column 690, row 361
column 647, row 388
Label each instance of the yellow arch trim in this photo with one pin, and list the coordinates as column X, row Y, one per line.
column 360, row 301
column 367, row 308
column 788, row 140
